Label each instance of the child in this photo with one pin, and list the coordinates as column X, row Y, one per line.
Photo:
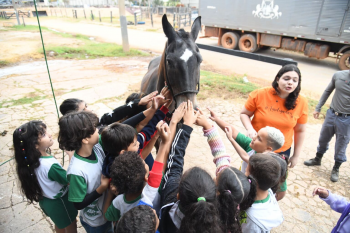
column 188, row 201
column 118, row 138
column 78, row 132
column 131, row 177
column 283, row 161
column 235, row 191
column 268, row 139
column 141, row 218
column 265, row 213
column 42, row 178
column 339, row 204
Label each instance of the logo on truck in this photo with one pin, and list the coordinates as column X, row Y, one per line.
column 267, row 10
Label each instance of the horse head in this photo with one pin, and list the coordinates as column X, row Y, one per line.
column 180, row 63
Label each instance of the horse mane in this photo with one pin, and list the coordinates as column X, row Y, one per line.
column 183, row 34
column 162, row 70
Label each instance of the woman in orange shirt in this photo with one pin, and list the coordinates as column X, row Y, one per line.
column 282, row 107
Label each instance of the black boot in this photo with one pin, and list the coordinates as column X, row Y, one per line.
column 315, row 161
column 335, row 172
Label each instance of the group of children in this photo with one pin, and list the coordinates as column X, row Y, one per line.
column 116, row 184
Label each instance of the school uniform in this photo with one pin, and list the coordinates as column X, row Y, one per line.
column 54, row 185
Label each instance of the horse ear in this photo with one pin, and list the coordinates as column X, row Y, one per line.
column 168, row 29
column 196, row 26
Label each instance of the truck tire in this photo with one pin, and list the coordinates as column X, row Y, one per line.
column 344, row 61
column 230, row 40
column 247, row 43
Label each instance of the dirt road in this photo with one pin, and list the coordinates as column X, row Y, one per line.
column 316, row 74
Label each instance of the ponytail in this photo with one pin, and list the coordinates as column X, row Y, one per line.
column 25, row 138
column 197, row 195
column 283, row 161
column 229, row 212
column 248, row 202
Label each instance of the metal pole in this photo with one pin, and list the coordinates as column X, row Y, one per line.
column 61, row 12
column 135, row 19
column 99, row 13
column 152, row 19
column 84, row 14
column 15, row 8
column 174, row 20
column 76, row 15
column 123, row 26
column 92, row 15
column 24, row 24
column 111, row 16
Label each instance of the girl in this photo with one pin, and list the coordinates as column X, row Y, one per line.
column 235, row 191
column 188, row 201
column 282, row 184
column 42, row 178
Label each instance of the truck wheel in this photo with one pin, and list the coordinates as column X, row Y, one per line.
column 230, row 40
column 247, row 43
column 344, row 61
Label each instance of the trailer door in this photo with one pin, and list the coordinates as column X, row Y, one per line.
column 331, row 17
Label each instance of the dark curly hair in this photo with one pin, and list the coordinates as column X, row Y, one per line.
column 234, row 188
column 139, row 219
column 128, row 173
column 200, row 216
column 283, row 161
column 70, row 105
column 265, row 170
column 74, row 127
column 291, row 101
column 25, row 138
column 134, row 96
column 117, row 137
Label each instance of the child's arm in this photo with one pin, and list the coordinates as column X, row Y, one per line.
column 221, row 158
column 241, row 152
column 222, row 124
column 148, row 148
column 77, row 191
column 108, row 202
column 58, row 174
column 175, row 163
column 176, row 118
column 336, row 202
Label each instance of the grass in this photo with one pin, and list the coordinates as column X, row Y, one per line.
column 28, row 28
column 21, row 101
column 312, row 106
column 223, row 84
column 92, row 50
column 4, row 63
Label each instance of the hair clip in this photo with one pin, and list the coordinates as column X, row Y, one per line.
column 283, row 157
column 201, row 199
column 28, row 165
column 23, row 149
column 19, row 130
column 250, row 181
column 25, row 157
column 228, row 191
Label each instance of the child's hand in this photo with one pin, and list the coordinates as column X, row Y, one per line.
column 179, row 113
column 164, row 132
column 251, row 133
column 320, row 191
column 158, row 101
column 148, row 98
column 190, row 115
column 203, row 121
column 104, row 181
column 213, row 115
column 228, row 131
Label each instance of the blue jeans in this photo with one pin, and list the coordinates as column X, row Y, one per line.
column 340, row 126
column 105, row 228
column 286, row 152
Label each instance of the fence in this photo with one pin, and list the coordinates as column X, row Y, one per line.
column 12, row 14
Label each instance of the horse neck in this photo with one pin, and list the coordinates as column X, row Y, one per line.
column 162, row 71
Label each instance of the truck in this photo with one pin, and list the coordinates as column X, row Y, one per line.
column 316, row 28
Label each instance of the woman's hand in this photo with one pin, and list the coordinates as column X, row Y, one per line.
column 293, row 161
column 320, row 191
column 148, row 98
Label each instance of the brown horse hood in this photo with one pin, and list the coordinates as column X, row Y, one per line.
column 179, row 65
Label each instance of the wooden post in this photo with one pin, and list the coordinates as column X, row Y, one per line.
column 152, row 19
column 84, row 14
column 76, row 15
column 99, row 13
column 123, row 26
column 24, row 24
column 111, row 17
column 135, row 19
column 92, row 15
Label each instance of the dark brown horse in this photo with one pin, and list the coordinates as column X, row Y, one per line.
column 179, row 65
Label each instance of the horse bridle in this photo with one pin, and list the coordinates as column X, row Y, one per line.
column 170, row 85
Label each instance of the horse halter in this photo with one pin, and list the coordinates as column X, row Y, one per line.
column 170, row 85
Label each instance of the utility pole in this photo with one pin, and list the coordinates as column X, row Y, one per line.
column 14, row 7
column 123, row 26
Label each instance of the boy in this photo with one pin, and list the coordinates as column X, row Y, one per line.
column 78, row 133
column 268, row 139
column 265, row 213
column 131, row 177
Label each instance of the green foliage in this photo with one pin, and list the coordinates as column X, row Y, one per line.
column 21, row 101
column 4, row 63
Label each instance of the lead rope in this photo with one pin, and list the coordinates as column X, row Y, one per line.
column 47, row 66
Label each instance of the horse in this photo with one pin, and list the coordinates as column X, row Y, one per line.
column 179, row 65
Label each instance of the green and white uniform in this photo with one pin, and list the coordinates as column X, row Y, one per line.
column 53, row 181
column 84, row 176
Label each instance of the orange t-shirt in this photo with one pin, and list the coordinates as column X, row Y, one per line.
column 269, row 110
